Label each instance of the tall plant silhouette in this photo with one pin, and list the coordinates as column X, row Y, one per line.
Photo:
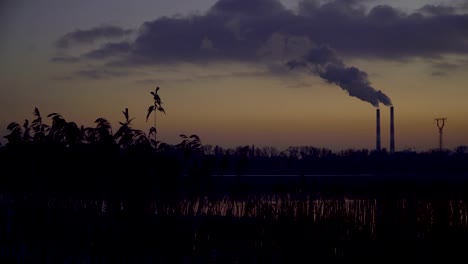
column 27, row 131
column 101, row 134
column 38, row 127
column 20, row 134
column 127, row 136
column 63, row 132
column 16, row 134
column 56, row 134
column 124, row 135
column 157, row 106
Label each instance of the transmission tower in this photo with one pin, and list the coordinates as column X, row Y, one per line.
column 440, row 125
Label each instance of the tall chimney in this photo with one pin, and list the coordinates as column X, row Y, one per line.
column 377, row 146
column 392, row 130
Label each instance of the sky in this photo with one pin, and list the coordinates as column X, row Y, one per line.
column 263, row 72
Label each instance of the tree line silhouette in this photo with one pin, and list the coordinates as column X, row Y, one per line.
column 62, row 155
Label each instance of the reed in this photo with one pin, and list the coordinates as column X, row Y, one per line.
column 263, row 227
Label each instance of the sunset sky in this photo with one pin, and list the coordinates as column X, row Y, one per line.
column 235, row 72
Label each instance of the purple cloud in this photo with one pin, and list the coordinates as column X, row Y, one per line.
column 89, row 36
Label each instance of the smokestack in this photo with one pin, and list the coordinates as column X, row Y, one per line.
column 377, row 145
column 392, row 130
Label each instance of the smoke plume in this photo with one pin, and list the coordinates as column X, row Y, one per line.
column 324, row 62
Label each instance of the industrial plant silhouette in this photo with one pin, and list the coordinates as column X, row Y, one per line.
column 70, row 194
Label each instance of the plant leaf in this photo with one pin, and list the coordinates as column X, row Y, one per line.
column 150, row 110
column 52, row 114
column 126, row 113
column 12, row 126
column 36, row 112
column 195, row 137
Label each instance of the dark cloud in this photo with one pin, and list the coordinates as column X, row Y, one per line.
column 336, row 8
column 247, row 8
column 385, row 32
column 308, row 7
column 90, row 35
column 324, row 62
column 464, row 4
column 65, row 59
column 109, row 50
column 437, row 10
column 264, row 31
column 243, row 31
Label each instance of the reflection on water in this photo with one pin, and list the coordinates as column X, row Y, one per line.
column 206, row 228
